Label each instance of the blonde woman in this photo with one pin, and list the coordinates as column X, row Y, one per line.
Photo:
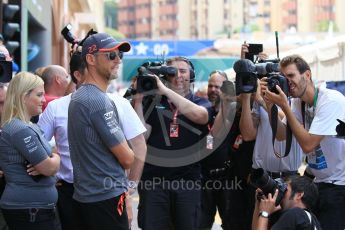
column 29, row 165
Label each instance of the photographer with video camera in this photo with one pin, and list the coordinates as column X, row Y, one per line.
column 284, row 204
column 255, row 124
column 320, row 108
column 176, row 123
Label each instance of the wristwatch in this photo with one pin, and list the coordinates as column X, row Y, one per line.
column 264, row 214
column 132, row 184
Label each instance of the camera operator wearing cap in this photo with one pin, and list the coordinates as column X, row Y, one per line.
column 176, row 122
column 320, row 108
column 296, row 204
column 99, row 151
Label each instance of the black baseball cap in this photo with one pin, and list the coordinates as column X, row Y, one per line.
column 103, row 42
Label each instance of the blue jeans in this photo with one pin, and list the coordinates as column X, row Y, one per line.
column 331, row 206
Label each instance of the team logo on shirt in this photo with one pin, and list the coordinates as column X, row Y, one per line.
column 108, row 115
column 27, row 139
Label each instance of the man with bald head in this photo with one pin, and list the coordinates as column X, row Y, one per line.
column 216, row 198
column 56, row 80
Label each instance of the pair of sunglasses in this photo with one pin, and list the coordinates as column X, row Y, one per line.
column 112, row 55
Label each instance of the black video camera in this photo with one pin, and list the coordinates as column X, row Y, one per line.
column 247, row 74
column 260, row 179
column 68, row 36
column 5, row 69
column 146, row 82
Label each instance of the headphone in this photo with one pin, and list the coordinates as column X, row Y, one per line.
column 191, row 66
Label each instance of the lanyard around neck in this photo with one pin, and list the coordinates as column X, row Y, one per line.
column 315, row 97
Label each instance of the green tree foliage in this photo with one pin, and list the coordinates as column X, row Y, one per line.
column 114, row 33
column 110, row 18
column 323, row 26
column 110, row 13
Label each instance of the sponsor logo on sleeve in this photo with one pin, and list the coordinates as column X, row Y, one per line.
column 108, row 115
column 27, row 139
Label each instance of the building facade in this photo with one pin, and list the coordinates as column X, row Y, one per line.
column 41, row 22
column 206, row 19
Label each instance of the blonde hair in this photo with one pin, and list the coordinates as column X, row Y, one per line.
column 21, row 85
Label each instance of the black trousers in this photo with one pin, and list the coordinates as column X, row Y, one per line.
column 67, row 206
column 30, row 219
column 172, row 205
column 242, row 202
column 213, row 199
column 331, row 206
column 103, row 215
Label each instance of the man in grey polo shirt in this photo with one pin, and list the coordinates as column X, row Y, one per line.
column 99, row 151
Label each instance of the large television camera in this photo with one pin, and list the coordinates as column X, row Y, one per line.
column 5, row 69
column 146, row 82
column 247, row 74
column 260, row 179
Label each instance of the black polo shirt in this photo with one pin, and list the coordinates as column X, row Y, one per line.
column 173, row 158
